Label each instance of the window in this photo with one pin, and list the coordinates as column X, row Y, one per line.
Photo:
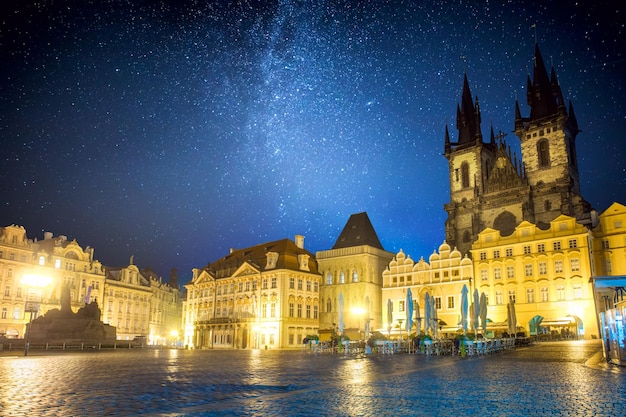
column 450, row 301
column 254, row 285
column 510, row 272
column 560, row 292
column 355, row 276
column 315, row 312
column 528, row 270
column 263, row 284
column 483, row 256
column 19, row 292
column 508, row 251
column 299, row 311
column 496, row 253
column 498, row 297
column 7, row 291
column 292, row 283
column 573, row 243
column 574, row 264
column 240, row 287
column 541, row 247
column 556, row 245
column 329, row 279
column 438, row 303
column 273, row 310
column 401, row 306
column 530, row 295
column 544, row 294
column 316, row 286
column 578, row 291
column 483, row 275
column 300, row 284
column 605, row 244
column 247, row 285
column 558, row 266
column 4, row 312
column 263, row 310
column 308, row 285
column 308, row 311
column 543, row 268
column 543, row 153
column 608, row 268
column 497, row 273
column 291, row 339
column 465, row 180
column 273, row 282
column 42, row 260
column 527, row 250
column 329, row 306
column 512, row 295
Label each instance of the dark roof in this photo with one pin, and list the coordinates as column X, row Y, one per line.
column 358, row 231
column 287, row 251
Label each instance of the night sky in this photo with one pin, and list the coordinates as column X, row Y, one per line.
column 173, row 133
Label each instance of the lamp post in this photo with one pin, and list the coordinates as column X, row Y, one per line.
column 34, row 284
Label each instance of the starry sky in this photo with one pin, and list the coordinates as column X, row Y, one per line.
column 173, row 131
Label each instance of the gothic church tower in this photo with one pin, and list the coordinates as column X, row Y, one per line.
column 490, row 188
column 548, row 146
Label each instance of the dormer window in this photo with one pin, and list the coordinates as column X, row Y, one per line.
column 272, row 259
column 303, row 261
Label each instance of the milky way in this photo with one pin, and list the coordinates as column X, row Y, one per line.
column 173, row 133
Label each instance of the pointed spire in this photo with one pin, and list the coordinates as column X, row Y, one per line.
column 541, row 96
column 446, row 145
column 572, row 118
column 468, row 117
column 492, row 136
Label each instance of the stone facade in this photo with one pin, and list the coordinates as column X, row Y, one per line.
column 544, row 271
column 352, row 270
column 491, row 188
column 263, row 297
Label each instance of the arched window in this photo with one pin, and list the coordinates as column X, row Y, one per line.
column 355, row 276
column 547, row 205
column 465, row 182
column 543, row 153
column 467, row 237
column 329, row 306
column 329, row 278
column 342, row 277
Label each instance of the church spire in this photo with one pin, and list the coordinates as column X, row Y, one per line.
column 468, row 117
column 541, row 94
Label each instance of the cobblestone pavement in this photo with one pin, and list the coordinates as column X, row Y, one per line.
column 548, row 379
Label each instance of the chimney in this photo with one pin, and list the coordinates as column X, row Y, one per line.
column 299, row 241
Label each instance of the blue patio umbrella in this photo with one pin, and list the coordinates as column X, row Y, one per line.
column 340, row 323
column 418, row 317
column 464, row 308
column 409, row 311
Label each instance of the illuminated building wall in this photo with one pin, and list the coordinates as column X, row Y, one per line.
column 262, row 297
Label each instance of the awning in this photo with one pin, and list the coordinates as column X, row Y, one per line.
column 562, row 321
column 609, row 281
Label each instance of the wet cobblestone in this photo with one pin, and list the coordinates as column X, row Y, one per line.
column 549, row 379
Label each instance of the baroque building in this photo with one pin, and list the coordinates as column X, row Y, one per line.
column 62, row 261
column 442, row 278
column 490, row 188
column 261, row 297
column 544, row 271
column 124, row 295
column 350, row 293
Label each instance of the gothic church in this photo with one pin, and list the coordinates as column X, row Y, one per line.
column 489, row 187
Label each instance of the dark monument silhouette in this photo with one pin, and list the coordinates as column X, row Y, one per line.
column 64, row 326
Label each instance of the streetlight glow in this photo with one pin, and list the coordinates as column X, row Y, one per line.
column 358, row 310
column 36, row 280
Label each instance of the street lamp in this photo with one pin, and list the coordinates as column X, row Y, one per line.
column 34, row 284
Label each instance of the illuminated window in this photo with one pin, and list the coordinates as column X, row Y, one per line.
column 530, row 295
column 578, row 291
column 510, row 272
column 299, row 311
column 273, row 282
column 308, row 285
column 528, row 270
column 558, row 266
column 483, row 275
column 544, row 294
column 560, row 292
column 497, row 273
column 401, row 306
column 273, row 310
column 329, row 278
column 315, row 312
column 316, row 286
column 543, row 268
column 42, row 260
column 342, row 277
column 355, row 276
column 498, row 297
column 512, row 295
column 450, row 301
column 300, row 284
column 575, row 265
column 308, row 311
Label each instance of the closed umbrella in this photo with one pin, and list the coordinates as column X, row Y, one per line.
column 367, row 317
column 435, row 321
column 340, row 324
column 512, row 318
column 483, row 312
column 418, row 317
column 464, row 308
column 475, row 311
column 427, row 313
column 409, row 311
column 389, row 314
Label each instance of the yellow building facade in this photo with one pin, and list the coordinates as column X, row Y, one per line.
column 442, row 278
column 350, row 294
column 60, row 261
column 546, row 272
column 262, row 297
